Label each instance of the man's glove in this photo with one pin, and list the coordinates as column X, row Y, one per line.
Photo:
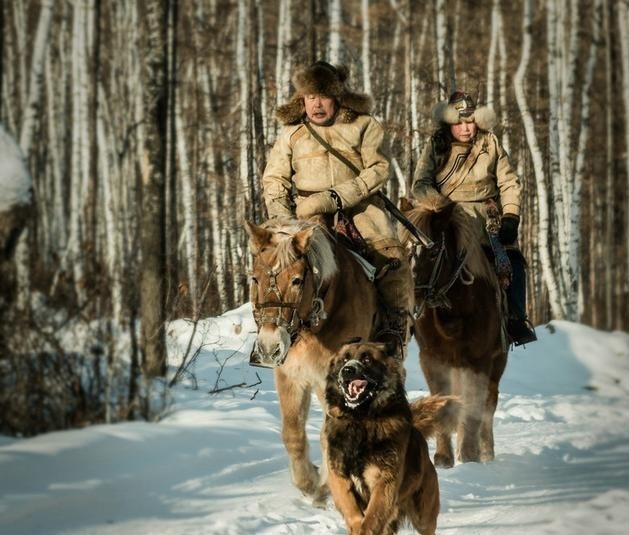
column 508, row 232
column 317, row 203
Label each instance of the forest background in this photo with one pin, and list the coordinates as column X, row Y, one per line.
column 146, row 126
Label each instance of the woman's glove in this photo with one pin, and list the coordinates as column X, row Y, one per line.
column 508, row 232
column 317, row 203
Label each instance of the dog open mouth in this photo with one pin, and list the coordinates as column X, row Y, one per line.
column 357, row 387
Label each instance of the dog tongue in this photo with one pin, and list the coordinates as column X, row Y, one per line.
column 356, row 387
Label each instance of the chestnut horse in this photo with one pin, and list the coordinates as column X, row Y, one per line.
column 459, row 323
column 309, row 297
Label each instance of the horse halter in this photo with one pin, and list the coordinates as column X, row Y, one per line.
column 437, row 297
column 295, row 323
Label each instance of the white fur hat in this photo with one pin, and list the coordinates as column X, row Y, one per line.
column 460, row 107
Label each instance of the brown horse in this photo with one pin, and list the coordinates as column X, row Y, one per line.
column 458, row 324
column 309, row 297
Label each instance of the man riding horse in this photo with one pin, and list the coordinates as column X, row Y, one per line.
column 328, row 160
column 465, row 162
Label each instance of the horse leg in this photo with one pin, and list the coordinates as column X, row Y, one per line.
column 438, row 377
column 487, row 426
column 321, row 495
column 474, row 387
column 294, row 400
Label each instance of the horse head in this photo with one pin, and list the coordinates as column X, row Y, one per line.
column 291, row 264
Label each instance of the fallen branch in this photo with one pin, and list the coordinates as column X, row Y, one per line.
column 239, row 385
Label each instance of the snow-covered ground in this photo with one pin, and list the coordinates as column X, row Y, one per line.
column 215, row 464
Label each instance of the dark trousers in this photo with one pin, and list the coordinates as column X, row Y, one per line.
column 516, row 292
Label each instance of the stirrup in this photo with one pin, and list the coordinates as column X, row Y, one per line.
column 520, row 331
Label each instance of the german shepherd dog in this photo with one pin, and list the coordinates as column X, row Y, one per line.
column 379, row 471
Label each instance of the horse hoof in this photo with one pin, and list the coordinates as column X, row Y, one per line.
column 443, row 461
column 320, row 497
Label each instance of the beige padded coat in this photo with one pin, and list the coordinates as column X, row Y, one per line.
column 298, row 159
column 471, row 175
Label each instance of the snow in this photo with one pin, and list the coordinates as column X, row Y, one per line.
column 15, row 181
column 215, row 464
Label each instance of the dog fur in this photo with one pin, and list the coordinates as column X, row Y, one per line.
column 379, row 471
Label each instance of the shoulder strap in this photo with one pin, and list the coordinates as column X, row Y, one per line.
column 331, row 149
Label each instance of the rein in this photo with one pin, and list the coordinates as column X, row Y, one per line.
column 436, row 298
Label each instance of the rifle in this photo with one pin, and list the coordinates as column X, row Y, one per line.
column 395, row 212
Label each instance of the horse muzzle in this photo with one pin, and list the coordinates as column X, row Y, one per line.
column 270, row 348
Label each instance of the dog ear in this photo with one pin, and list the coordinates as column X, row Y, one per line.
column 391, row 348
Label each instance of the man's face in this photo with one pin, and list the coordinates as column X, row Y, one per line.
column 320, row 109
column 463, row 132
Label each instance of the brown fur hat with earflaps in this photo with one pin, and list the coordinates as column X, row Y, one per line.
column 460, row 107
column 322, row 78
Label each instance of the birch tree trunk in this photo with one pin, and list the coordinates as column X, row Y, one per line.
column 441, row 44
column 576, row 200
column 189, row 200
column 153, row 240
column 538, row 164
column 283, row 59
column 365, row 50
column 35, row 86
column 334, row 48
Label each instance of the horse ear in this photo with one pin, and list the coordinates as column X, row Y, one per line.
column 258, row 237
column 406, row 204
column 302, row 238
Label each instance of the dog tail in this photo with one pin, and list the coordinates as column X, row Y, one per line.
column 435, row 413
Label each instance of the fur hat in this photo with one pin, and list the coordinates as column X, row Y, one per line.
column 461, row 107
column 322, row 78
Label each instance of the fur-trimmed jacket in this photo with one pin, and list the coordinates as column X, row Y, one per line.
column 298, row 159
column 470, row 173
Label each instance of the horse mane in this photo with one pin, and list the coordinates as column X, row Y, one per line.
column 319, row 251
column 467, row 234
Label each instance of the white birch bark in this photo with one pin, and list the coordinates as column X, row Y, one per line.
column 365, row 50
column 392, row 68
column 245, row 198
column 493, row 48
column 35, row 79
column 334, row 47
column 80, row 150
column 502, row 49
column 441, row 27
column 110, row 212
column 190, row 227
column 283, row 57
column 261, row 70
column 538, row 164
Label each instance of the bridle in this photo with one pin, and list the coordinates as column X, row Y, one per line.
column 437, row 297
column 294, row 324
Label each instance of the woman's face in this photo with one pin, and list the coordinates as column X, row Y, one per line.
column 320, row 109
column 463, row 132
